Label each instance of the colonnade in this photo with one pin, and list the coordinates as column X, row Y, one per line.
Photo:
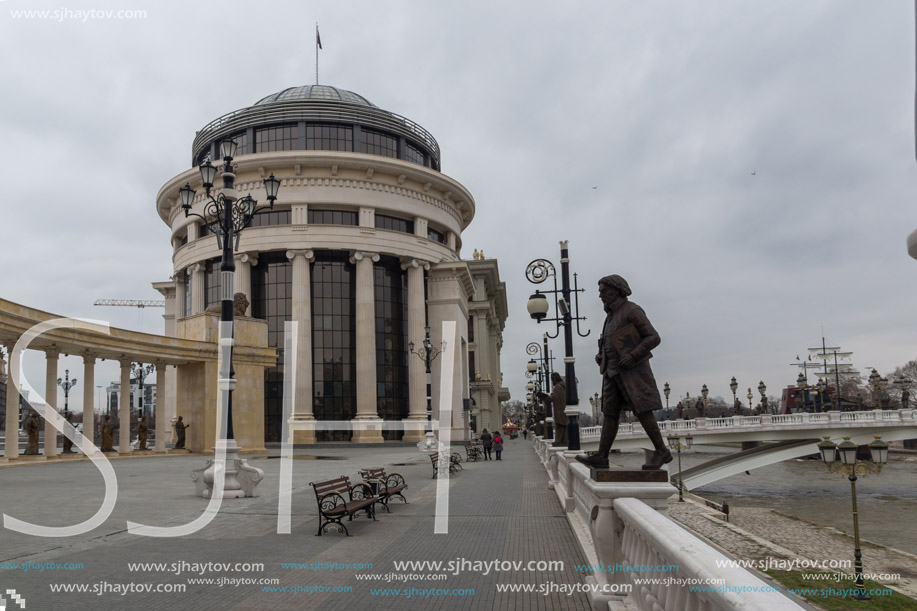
column 52, row 358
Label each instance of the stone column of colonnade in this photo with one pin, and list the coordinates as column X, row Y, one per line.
column 301, row 429
column 124, row 409
column 198, row 298
column 243, row 276
column 89, row 381
column 12, row 411
column 417, row 371
column 367, row 403
column 181, row 279
column 161, row 418
column 51, row 357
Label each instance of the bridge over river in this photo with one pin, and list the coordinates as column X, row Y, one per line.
column 783, row 437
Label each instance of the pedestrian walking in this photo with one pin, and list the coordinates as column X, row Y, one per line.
column 487, row 440
column 498, row 445
column 525, row 434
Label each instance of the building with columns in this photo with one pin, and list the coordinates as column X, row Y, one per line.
column 362, row 250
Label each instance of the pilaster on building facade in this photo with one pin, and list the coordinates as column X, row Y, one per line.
column 487, row 313
column 362, row 249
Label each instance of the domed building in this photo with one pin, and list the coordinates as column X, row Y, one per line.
column 362, row 249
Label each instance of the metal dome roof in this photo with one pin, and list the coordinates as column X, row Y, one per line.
column 314, row 92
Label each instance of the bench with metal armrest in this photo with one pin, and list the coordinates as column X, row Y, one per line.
column 337, row 498
column 388, row 485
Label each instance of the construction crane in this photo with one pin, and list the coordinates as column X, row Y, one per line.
column 140, row 304
column 131, row 303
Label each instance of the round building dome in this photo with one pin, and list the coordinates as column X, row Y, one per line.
column 314, row 92
column 320, row 118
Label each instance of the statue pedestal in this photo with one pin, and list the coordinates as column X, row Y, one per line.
column 240, row 478
column 606, row 527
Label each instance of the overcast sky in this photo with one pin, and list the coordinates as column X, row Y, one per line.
column 747, row 166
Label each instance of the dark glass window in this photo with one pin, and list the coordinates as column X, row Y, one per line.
column 211, row 283
column 471, row 365
column 203, row 230
column 334, row 353
column 413, row 154
column 321, row 137
column 275, row 217
column 471, row 329
column 272, row 300
column 436, row 236
column 391, row 342
column 187, row 295
column 377, row 143
column 332, row 217
column 277, row 138
column 394, row 223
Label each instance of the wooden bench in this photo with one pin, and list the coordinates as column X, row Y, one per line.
column 724, row 508
column 387, row 485
column 441, row 463
column 456, row 460
column 337, row 498
column 474, row 453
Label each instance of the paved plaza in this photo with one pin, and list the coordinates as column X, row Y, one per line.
column 498, row 511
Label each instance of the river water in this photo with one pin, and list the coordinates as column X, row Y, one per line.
column 887, row 502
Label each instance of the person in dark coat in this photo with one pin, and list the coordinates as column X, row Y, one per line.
column 498, row 445
column 627, row 379
column 487, row 440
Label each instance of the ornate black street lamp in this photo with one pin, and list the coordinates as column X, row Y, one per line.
column 66, row 383
column 537, row 272
column 540, row 370
column 704, row 392
column 751, row 409
column 427, row 353
column 734, row 386
column 676, row 444
column 140, row 374
column 852, row 467
column 762, row 388
column 226, row 215
column 666, row 390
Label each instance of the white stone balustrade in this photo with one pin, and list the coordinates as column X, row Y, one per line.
column 626, row 524
column 650, row 538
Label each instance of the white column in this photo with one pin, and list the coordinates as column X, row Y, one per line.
column 12, row 412
column 181, row 279
column 124, row 410
column 198, row 298
column 417, row 380
column 89, row 384
column 366, row 350
column 161, row 417
column 301, row 430
column 51, row 402
column 243, row 276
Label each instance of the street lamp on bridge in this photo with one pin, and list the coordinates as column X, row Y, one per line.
column 733, row 386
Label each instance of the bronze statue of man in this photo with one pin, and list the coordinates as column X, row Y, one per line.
column 627, row 380
column 68, row 445
column 180, row 427
column 107, row 435
column 32, row 427
column 558, row 401
column 141, row 433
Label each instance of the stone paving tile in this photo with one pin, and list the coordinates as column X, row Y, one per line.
column 499, row 510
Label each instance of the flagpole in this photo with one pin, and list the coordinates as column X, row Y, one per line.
column 316, row 53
